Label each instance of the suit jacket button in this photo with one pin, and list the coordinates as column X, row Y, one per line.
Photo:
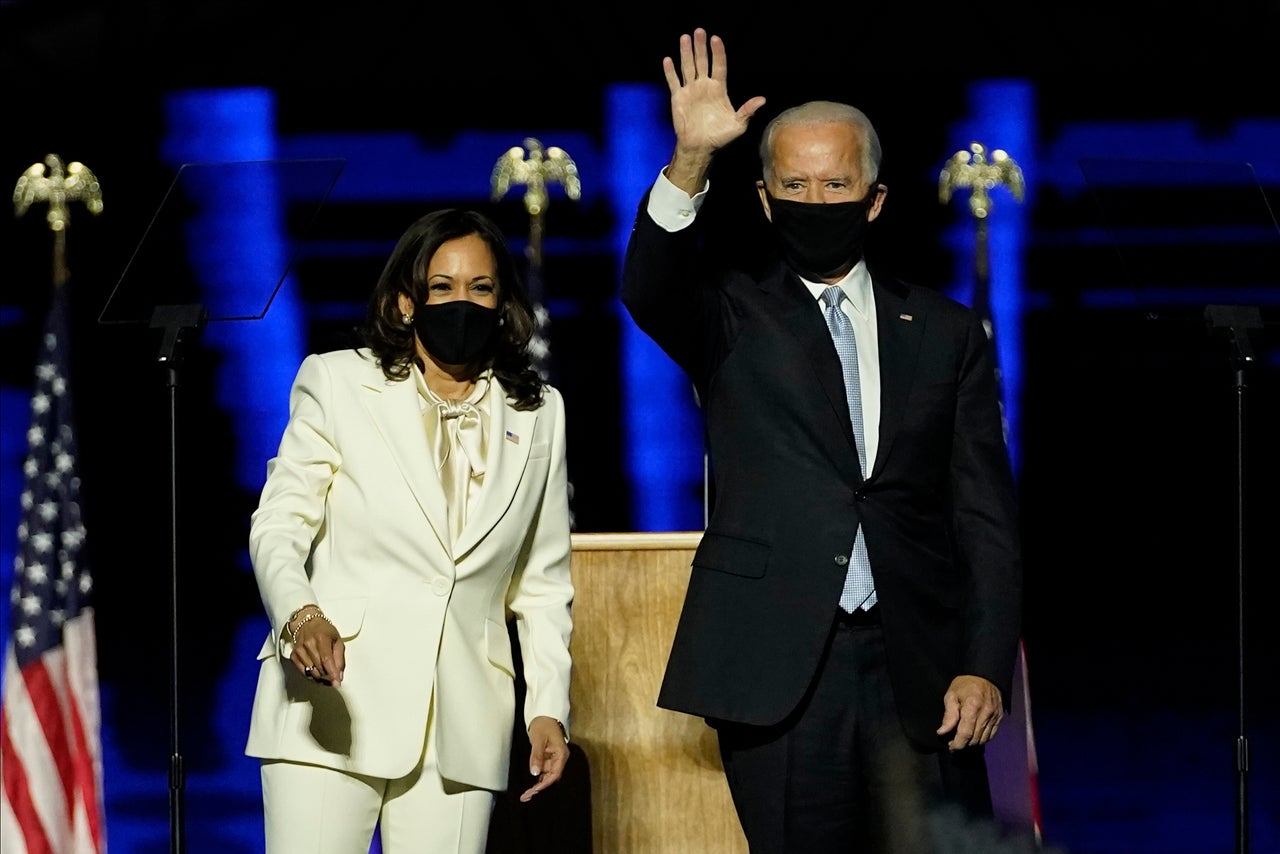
column 440, row 586
column 841, row 560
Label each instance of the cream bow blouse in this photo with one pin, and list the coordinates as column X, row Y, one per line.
column 458, row 433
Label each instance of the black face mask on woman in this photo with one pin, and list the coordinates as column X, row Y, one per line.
column 818, row 239
column 457, row 332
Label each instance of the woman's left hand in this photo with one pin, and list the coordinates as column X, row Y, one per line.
column 549, row 754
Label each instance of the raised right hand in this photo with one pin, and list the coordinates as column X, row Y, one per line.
column 703, row 118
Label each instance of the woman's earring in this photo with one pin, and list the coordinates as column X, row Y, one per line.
column 406, row 319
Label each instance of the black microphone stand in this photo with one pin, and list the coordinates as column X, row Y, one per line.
column 175, row 320
column 1236, row 322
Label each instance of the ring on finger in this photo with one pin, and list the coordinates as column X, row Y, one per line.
column 306, row 671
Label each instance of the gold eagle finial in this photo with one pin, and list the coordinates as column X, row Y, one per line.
column 540, row 167
column 57, row 186
column 970, row 168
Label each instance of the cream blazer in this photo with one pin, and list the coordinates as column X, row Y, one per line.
column 352, row 517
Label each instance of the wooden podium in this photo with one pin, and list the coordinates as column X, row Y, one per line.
column 657, row 786
column 656, row 782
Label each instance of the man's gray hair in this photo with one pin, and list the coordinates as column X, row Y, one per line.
column 823, row 112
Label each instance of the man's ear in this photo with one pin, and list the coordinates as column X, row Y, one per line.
column 764, row 200
column 881, row 192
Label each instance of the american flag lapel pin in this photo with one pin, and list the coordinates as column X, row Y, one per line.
column 513, row 438
column 905, row 317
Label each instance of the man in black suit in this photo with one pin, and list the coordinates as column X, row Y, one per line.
column 851, row 703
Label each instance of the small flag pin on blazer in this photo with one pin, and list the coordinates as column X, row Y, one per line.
column 905, row 317
column 512, row 437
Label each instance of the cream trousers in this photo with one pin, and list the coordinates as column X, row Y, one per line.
column 314, row 810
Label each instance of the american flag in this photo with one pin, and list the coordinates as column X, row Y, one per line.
column 50, row 748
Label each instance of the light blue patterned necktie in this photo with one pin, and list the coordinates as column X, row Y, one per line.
column 859, row 587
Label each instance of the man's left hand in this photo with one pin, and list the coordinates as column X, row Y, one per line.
column 972, row 711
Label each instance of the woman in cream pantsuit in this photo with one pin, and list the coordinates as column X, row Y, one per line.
column 418, row 498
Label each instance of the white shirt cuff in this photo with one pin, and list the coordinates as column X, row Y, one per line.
column 670, row 207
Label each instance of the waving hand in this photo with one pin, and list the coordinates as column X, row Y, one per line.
column 703, row 117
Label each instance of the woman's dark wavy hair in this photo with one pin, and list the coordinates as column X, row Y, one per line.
column 391, row 340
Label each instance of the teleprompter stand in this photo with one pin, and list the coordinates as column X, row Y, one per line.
column 217, row 249
column 1187, row 229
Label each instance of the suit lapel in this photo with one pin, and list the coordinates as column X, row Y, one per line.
column 510, row 439
column 802, row 315
column 900, row 328
column 397, row 415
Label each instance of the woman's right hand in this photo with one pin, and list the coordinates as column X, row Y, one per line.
column 318, row 651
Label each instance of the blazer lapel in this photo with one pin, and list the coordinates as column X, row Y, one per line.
column 510, row 439
column 803, row 317
column 397, row 415
column 900, row 328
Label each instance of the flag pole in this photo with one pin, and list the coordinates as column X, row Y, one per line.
column 57, row 185
column 980, row 170
column 971, row 169
column 535, row 167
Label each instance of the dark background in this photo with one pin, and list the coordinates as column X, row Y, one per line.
column 1129, row 425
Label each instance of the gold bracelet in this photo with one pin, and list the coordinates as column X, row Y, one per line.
column 287, row 633
column 288, row 621
column 293, row 631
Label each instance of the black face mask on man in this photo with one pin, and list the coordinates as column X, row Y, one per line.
column 457, row 332
column 818, row 239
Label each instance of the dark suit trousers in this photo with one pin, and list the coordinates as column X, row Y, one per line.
column 840, row 775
